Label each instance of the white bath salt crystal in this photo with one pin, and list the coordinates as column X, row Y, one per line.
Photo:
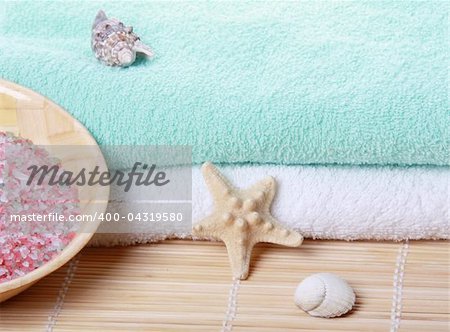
column 20, row 175
column 24, row 251
column 19, row 272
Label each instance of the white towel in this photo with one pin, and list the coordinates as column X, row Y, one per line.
column 348, row 203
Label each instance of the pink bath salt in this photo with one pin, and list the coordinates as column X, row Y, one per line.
column 27, row 243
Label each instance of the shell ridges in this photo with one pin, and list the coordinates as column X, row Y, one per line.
column 114, row 43
column 325, row 295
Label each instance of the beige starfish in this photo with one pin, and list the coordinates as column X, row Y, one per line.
column 241, row 219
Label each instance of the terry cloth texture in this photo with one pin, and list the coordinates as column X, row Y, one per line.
column 309, row 82
column 347, row 203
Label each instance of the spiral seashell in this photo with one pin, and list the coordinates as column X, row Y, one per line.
column 114, row 43
column 324, row 295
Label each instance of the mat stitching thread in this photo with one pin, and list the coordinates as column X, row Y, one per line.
column 396, row 310
column 62, row 293
column 232, row 306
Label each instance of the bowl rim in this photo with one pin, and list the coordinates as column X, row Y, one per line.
column 81, row 238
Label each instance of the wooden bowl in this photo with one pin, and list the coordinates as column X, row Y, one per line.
column 30, row 115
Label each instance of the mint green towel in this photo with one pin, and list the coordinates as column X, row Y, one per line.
column 309, row 82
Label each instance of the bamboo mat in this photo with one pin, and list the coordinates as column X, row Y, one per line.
column 186, row 286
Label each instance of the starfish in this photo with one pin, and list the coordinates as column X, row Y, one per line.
column 241, row 218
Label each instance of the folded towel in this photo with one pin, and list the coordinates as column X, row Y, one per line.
column 348, row 82
column 322, row 202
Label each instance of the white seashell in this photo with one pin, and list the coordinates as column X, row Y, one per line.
column 324, row 295
column 115, row 44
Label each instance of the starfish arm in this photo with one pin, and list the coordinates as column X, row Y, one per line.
column 279, row 234
column 207, row 228
column 217, row 184
column 264, row 191
column 239, row 255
